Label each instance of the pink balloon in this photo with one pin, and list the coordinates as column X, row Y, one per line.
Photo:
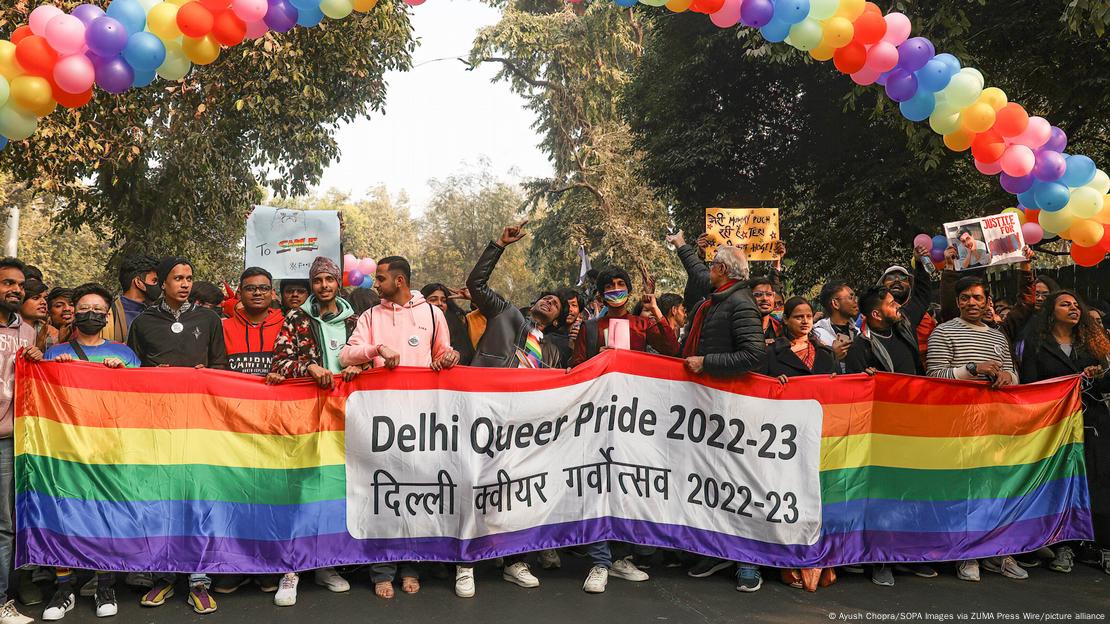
column 414, row 2
column 74, row 74
column 989, row 168
column 255, row 30
column 865, row 77
column 923, row 240
column 1036, row 133
column 898, row 29
column 1017, row 161
column 249, row 10
column 367, row 266
column 882, row 57
column 41, row 16
column 349, row 262
column 66, row 34
column 1033, row 233
column 728, row 15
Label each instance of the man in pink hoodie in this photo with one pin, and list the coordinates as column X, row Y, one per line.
column 402, row 330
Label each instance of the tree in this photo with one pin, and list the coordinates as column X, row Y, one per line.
column 178, row 165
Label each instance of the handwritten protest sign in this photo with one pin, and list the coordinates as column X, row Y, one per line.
column 986, row 241
column 285, row 242
column 754, row 229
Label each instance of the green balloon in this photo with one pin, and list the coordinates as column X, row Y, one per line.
column 962, row 90
column 806, row 34
column 822, row 9
column 654, row 3
column 177, row 65
column 5, row 90
column 336, row 9
column 943, row 122
column 17, row 125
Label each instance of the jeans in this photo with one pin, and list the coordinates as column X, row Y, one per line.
column 386, row 572
column 600, row 554
column 7, row 512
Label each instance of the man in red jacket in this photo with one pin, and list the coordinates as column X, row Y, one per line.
column 250, row 331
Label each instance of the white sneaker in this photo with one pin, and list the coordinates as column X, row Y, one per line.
column 549, row 559
column 61, row 604
column 520, row 574
column 625, row 569
column 1006, row 566
column 329, row 578
column 10, row 615
column 286, row 595
column 968, row 570
column 464, row 582
column 596, row 580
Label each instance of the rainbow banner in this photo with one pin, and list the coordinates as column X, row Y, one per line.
column 178, row 470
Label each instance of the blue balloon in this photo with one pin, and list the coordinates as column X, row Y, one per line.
column 129, row 13
column 775, row 31
column 309, row 17
column 952, row 62
column 1051, row 196
column 3, row 142
column 306, row 5
column 626, row 3
column 144, row 52
column 1080, row 171
column 934, row 76
column 1028, row 198
column 143, row 77
column 791, row 11
column 940, row 242
column 919, row 107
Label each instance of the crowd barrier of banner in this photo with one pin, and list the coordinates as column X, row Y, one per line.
column 184, row 470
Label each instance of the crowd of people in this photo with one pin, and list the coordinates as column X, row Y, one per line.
column 725, row 323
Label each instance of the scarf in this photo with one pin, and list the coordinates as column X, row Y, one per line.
column 691, row 346
column 333, row 331
column 531, row 354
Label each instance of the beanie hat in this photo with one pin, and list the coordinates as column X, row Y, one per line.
column 167, row 265
column 324, row 265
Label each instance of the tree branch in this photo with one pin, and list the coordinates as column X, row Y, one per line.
column 516, row 71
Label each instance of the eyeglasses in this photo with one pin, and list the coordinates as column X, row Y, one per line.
column 261, row 288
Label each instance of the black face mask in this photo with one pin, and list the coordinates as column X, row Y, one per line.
column 90, row 323
column 153, row 292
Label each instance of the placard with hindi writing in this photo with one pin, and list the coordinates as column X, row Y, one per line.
column 756, row 230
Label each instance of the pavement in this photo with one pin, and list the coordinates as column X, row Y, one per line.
column 669, row 596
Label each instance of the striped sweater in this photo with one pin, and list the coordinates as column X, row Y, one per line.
column 955, row 343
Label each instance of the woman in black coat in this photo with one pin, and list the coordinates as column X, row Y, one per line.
column 796, row 353
column 1063, row 340
column 439, row 295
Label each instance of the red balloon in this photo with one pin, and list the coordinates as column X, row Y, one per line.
column 1105, row 242
column 706, row 6
column 987, row 147
column 194, row 20
column 851, row 58
column 869, row 27
column 72, row 100
column 1011, row 120
column 1032, row 215
column 35, row 56
column 228, row 29
column 1087, row 256
column 215, row 6
column 21, row 33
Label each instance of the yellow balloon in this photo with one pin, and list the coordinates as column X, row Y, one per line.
column 838, row 32
column 994, row 97
column 363, row 6
column 822, row 52
column 944, row 123
column 959, row 140
column 201, row 51
column 979, row 117
column 179, row 2
column 32, row 94
column 1104, row 216
column 9, row 68
column 678, row 6
column 162, row 21
column 851, row 9
column 1086, row 232
column 1019, row 213
column 1057, row 222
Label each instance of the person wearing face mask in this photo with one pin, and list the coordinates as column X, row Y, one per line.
column 614, row 284
column 138, row 284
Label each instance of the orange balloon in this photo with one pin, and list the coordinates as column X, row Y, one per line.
column 869, row 27
column 1085, row 232
column 32, row 94
column 1011, row 120
column 822, row 52
column 194, row 20
column 21, row 33
column 36, row 56
column 988, row 147
column 363, row 6
column 1087, row 256
column 959, row 140
column 1104, row 215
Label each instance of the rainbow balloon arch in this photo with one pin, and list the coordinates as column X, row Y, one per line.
column 58, row 58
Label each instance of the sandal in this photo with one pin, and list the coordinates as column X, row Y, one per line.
column 793, row 578
column 410, row 584
column 384, row 589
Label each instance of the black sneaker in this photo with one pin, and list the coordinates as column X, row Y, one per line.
column 707, row 566
column 1089, row 553
column 105, row 602
column 61, row 604
column 228, row 583
column 748, row 578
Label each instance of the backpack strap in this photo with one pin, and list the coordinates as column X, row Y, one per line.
column 77, row 350
column 432, row 347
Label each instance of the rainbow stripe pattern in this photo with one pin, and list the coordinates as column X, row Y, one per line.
column 182, row 470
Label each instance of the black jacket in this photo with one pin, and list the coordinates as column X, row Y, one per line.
column 200, row 341
column 506, row 327
column 781, row 360
column 867, row 353
column 460, row 337
column 1045, row 360
column 731, row 337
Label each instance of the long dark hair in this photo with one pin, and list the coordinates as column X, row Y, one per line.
column 452, row 307
column 1088, row 336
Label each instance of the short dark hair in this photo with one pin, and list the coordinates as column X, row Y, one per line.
column 573, row 293
column 969, row 282
column 793, row 302
column 31, row 271
column 610, row 273
column 362, row 299
column 57, row 293
column 255, row 272
column 828, row 292
column 964, row 231
column 135, row 266
column 397, row 263
column 33, row 288
column 564, row 309
column 1047, row 281
column 872, row 299
column 92, row 288
column 286, row 283
column 206, row 293
column 15, row 263
column 667, row 302
column 761, row 281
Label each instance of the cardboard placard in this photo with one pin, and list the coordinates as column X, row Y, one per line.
column 285, row 242
column 986, row 241
column 756, row 230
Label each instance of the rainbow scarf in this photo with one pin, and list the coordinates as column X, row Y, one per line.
column 531, row 354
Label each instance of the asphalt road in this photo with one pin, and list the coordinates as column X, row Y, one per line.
column 670, row 596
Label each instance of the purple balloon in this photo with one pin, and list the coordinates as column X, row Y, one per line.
column 106, row 37
column 756, row 13
column 901, row 85
column 113, row 75
column 355, row 277
column 1050, row 165
column 914, row 53
column 281, row 16
column 87, row 13
column 1014, row 185
column 1057, row 140
column 936, row 254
